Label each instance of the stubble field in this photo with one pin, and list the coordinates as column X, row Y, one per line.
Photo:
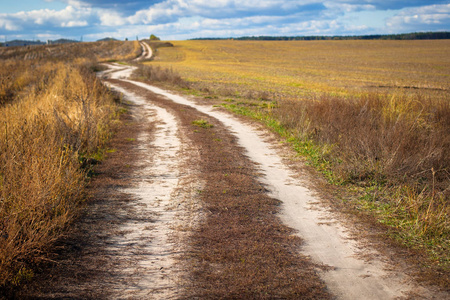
column 299, row 69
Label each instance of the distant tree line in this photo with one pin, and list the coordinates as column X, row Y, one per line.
column 15, row 43
column 405, row 36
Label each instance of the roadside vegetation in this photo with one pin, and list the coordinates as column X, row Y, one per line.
column 56, row 117
column 372, row 116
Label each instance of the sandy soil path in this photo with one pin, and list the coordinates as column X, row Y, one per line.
column 147, row 52
column 146, row 240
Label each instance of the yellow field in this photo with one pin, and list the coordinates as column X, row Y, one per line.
column 300, row 68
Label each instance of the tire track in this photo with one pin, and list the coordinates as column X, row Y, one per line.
column 146, row 240
column 240, row 249
column 147, row 52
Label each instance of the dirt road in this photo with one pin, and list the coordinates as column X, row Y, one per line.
column 196, row 203
column 326, row 240
column 147, row 52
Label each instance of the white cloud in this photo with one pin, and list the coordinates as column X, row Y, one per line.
column 8, row 25
column 345, row 7
column 68, row 17
column 110, row 18
column 432, row 17
column 163, row 12
column 74, row 24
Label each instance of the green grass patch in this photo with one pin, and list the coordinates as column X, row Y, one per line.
column 202, row 123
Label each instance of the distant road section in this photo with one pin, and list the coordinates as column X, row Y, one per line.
column 146, row 52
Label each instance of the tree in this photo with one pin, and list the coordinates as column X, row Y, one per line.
column 154, row 38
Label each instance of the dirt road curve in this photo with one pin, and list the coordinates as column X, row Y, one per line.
column 146, row 52
column 135, row 235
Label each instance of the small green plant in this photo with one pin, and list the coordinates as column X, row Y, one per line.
column 23, row 275
column 202, row 123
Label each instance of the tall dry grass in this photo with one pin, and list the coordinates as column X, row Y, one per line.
column 101, row 51
column 54, row 112
column 158, row 74
column 393, row 141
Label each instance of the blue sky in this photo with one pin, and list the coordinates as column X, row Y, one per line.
column 184, row 19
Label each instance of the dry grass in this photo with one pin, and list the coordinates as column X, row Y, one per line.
column 54, row 114
column 392, row 142
column 102, row 51
column 370, row 115
column 158, row 74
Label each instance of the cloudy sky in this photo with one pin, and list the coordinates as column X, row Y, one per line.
column 184, row 19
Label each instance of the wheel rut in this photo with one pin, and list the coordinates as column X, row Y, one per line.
column 349, row 275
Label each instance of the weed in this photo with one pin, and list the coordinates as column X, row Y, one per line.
column 202, row 123
column 22, row 276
